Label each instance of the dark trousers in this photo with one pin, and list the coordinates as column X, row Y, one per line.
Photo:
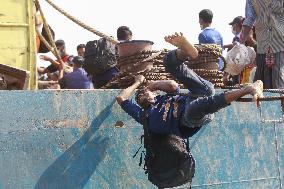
column 198, row 111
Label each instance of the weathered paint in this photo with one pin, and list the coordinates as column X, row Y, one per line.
column 68, row 139
column 17, row 36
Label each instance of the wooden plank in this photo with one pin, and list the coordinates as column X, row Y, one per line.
column 16, row 79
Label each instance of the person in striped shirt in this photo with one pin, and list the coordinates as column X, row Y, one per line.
column 268, row 18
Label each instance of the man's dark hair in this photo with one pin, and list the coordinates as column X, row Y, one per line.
column 123, row 33
column 59, row 42
column 78, row 60
column 138, row 95
column 206, row 15
column 81, row 46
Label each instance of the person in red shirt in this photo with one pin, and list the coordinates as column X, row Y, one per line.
column 60, row 45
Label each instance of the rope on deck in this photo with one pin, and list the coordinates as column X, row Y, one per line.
column 80, row 23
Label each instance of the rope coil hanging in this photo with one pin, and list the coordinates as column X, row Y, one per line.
column 80, row 23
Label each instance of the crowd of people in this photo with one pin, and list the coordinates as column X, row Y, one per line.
column 72, row 75
column 263, row 32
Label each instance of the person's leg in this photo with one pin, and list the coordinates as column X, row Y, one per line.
column 173, row 62
column 198, row 112
column 278, row 71
column 262, row 72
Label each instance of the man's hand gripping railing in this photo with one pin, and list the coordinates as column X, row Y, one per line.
column 270, row 98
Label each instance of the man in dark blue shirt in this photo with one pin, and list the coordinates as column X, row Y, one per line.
column 174, row 113
column 78, row 79
column 209, row 35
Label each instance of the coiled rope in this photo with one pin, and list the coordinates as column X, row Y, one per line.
column 46, row 27
column 80, row 23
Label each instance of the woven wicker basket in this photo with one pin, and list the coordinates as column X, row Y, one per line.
column 132, row 63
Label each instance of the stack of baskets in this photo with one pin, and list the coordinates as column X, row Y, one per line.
column 206, row 64
column 137, row 64
column 150, row 64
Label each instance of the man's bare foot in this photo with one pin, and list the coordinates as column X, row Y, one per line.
column 176, row 39
column 183, row 44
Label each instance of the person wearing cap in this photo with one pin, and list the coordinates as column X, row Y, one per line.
column 243, row 78
column 209, row 35
column 236, row 25
column 267, row 17
column 78, row 79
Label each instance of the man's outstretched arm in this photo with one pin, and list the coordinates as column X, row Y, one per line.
column 255, row 89
column 47, row 58
column 128, row 92
column 168, row 86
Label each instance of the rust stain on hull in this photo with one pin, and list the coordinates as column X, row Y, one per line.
column 66, row 123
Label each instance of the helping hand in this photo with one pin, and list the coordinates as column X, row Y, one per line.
column 44, row 57
column 257, row 91
column 140, row 79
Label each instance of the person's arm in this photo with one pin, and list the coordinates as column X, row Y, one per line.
column 229, row 46
column 249, row 21
column 61, row 67
column 46, row 58
column 168, row 86
column 250, row 40
column 62, row 82
column 61, row 72
column 128, row 92
column 255, row 89
column 245, row 34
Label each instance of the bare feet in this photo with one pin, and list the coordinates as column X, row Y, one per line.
column 183, row 44
column 176, row 39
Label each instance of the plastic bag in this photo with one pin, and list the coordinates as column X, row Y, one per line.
column 238, row 58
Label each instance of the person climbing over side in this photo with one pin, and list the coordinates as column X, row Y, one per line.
column 171, row 118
